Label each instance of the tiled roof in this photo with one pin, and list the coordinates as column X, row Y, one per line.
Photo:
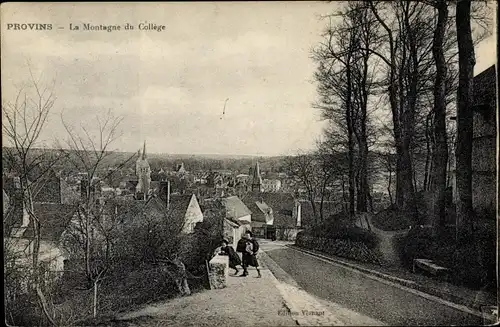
column 235, row 208
column 54, row 219
column 263, row 207
column 281, row 203
column 179, row 204
column 131, row 210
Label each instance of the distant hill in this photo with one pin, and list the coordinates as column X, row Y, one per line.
column 237, row 163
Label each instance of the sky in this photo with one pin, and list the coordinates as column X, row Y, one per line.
column 170, row 87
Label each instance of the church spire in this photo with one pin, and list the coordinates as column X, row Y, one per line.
column 144, row 151
column 257, row 179
column 143, row 172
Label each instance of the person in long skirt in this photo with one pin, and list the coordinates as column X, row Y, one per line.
column 234, row 258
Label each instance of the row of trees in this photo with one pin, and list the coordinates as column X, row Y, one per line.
column 416, row 59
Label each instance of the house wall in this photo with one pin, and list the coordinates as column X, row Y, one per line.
column 258, row 216
column 49, row 253
column 246, row 218
column 233, row 233
column 484, row 162
column 193, row 215
column 230, row 233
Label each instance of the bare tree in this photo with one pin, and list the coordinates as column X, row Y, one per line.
column 440, row 154
column 315, row 172
column 92, row 229
column 23, row 121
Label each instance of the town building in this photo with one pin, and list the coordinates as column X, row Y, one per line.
column 271, row 185
column 54, row 218
column 256, row 179
column 238, row 219
column 143, row 172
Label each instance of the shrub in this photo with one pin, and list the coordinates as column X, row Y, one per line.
column 472, row 263
column 337, row 236
column 340, row 247
column 391, row 219
column 338, row 227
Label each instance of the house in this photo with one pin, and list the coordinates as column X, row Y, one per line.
column 271, row 185
column 183, row 205
column 183, row 210
column 262, row 214
column 128, row 184
column 48, row 186
column 237, row 220
column 236, row 210
column 188, row 206
column 233, row 231
column 54, row 220
column 279, row 210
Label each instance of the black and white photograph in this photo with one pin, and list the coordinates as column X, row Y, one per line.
column 250, row 163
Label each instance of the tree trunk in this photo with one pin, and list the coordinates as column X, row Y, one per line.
column 440, row 155
column 466, row 63
column 344, row 198
column 428, row 153
column 405, row 191
column 95, row 299
column 389, row 182
column 350, row 137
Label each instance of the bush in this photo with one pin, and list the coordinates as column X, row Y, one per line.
column 391, row 219
column 472, row 263
column 338, row 227
column 340, row 247
column 337, row 236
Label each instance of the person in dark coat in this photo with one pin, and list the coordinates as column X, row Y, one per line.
column 234, row 258
column 249, row 253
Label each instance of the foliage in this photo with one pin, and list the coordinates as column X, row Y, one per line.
column 392, row 219
column 342, row 247
column 338, row 227
column 472, row 262
column 199, row 246
column 338, row 237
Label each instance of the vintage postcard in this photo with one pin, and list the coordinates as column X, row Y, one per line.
column 250, row 163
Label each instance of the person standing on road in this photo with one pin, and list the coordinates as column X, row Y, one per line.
column 249, row 253
column 234, row 258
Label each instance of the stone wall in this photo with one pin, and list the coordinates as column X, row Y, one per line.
column 219, row 271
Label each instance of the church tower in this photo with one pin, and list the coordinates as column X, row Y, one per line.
column 143, row 172
column 256, row 180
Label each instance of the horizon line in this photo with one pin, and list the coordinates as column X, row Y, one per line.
column 167, row 153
